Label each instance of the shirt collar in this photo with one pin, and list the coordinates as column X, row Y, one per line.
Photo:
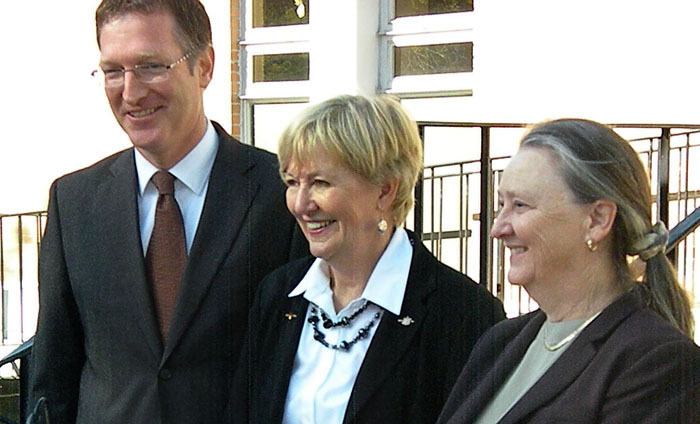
column 386, row 285
column 192, row 170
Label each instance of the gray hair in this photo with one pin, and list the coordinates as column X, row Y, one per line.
column 597, row 163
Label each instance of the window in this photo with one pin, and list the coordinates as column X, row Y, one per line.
column 281, row 67
column 427, row 47
column 268, row 13
column 405, row 8
column 433, row 59
column 274, row 73
column 269, row 120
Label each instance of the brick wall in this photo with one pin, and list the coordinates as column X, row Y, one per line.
column 235, row 78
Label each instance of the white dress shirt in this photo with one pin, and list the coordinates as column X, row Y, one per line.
column 191, row 182
column 322, row 378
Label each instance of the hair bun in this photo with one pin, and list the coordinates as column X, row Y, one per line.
column 652, row 243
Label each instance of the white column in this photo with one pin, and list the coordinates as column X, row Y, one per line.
column 343, row 48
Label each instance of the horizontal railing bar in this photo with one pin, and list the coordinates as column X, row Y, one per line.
column 22, row 214
column 439, row 124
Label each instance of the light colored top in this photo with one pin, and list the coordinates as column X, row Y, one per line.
column 322, row 378
column 532, row 367
column 191, row 182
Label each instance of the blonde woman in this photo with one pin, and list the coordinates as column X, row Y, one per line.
column 372, row 328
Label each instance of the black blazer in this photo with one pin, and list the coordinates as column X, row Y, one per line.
column 408, row 370
column 98, row 356
column 627, row 366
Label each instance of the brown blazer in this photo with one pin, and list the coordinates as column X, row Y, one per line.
column 627, row 366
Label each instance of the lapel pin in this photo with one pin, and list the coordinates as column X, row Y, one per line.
column 406, row 321
column 290, row 316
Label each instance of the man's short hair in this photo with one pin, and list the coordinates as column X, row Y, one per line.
column 193, row 29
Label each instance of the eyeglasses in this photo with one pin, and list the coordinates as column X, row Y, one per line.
column 149, row 73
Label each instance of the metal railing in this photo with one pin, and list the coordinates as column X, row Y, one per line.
column 454, row 193
column 20, row 239
column 448, row 214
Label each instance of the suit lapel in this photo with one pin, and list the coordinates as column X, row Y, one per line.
column 118, row 197
column 572, row 362
column 393, row 337
column 229, row 196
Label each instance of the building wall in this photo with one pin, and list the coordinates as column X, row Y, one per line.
column 624, row 61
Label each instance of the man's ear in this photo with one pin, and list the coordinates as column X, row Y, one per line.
column 205, row 67
column 601, row 219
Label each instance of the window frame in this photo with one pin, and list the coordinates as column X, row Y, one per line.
column 267, row 40
column 419, row 31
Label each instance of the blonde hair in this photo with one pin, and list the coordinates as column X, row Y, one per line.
column 372, row 136
column 597, row 163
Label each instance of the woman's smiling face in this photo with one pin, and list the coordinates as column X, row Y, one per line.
column 539, row 220
column 336, row 208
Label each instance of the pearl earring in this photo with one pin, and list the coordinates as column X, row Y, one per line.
column 591, row 246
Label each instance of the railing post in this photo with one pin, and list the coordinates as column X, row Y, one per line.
column 3, row 313
column 663, row 176
column 25, row 372
column 486, row 212
column 418, row 191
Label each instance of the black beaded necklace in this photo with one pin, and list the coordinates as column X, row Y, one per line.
column 318, row 315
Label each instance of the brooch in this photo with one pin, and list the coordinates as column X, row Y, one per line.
column 290, row 316
column 406, row 321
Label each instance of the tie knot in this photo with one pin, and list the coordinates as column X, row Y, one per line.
column 164, row 182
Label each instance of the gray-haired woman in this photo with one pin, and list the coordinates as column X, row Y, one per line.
column 575, row 208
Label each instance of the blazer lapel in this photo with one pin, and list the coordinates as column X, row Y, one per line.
column 394, row 334
column 116, row 209
column 229, row 196
column 291, row 316
column 572, row 362
column 488, row 384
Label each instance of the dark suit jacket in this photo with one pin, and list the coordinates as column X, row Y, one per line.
column 627, row 366
column 408, row 370
column 97, row 353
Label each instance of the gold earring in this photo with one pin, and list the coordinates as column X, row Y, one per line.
column 592, row 247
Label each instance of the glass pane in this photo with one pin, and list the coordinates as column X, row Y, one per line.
column 267, row 13
column 281, row 67
column 430, row 7
column 433, row 59
column 269, row 120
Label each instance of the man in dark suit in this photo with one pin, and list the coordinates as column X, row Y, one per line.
column 151, row 256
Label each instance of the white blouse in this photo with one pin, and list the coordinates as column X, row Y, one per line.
column 322, row 378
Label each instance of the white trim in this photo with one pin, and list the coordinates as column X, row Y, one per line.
column 443, row 37
column 431, row 94
column 443, row 83
column 282, row 34
column 276, row 48
column 431, row 23
column 276, row 89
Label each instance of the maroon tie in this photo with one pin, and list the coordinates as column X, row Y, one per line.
column 166, row 257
